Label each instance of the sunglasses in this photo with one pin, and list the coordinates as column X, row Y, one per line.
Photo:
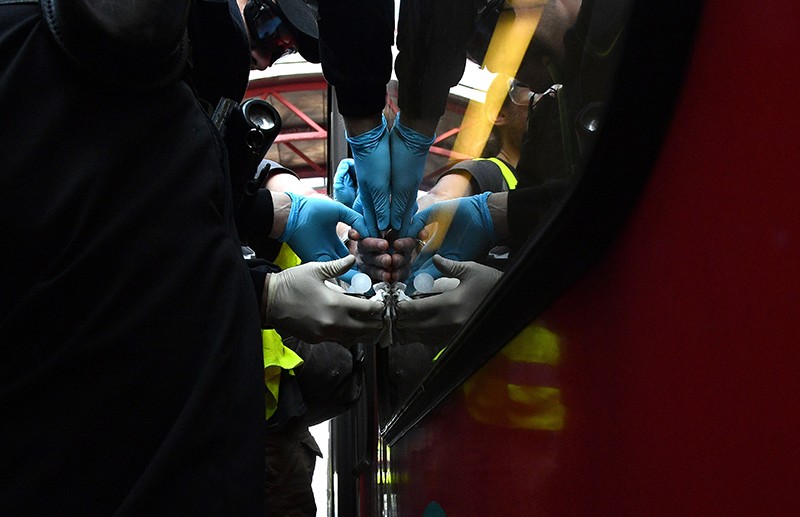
column 521, row 95
column 269, row 32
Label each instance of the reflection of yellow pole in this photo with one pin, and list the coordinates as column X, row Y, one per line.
column 510, row 40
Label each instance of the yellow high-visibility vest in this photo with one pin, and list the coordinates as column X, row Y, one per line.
column 278, row 357
column 509, row 176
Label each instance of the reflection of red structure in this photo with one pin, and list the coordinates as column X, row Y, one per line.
column 303, row 108
column 302, row 102
column 680, row 355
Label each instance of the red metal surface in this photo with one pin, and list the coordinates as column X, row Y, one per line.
column 679, row 351
column 312, row 132
column 319, row 132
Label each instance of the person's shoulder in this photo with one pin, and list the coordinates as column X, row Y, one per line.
column 488, row 174
column 474, row 165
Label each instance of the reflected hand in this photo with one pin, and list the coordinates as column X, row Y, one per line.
column 435, row 319
column 463, row 231
column 404, row 251
column 409, row 150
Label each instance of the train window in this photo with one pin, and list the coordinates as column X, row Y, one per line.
column 524, row 119
column 598, row 101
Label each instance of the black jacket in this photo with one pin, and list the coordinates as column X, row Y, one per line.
column 130, row 367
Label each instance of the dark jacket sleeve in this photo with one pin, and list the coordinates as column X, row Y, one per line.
column 431, row 40
column 529, row 207
column 259, row 269
column 356, row 38
column 256, row 226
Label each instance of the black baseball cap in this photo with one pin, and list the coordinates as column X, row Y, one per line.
column 302, row 18
column 272, row 23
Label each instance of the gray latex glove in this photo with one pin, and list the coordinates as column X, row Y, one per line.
column 435, row 319
column 300, row 303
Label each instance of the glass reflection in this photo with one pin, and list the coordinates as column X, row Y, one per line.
column 505, row 424
column 515, row 154
column 519, row 387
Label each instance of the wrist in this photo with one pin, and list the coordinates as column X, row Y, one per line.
column 357, row 125
column 264, row 302
column 425, row 127
column 282, row 206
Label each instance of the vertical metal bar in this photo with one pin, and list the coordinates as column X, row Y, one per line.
column 337, row 145
column 342, row 480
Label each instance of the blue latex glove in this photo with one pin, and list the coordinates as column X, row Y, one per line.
column 409, row 150
column 465, row 232
column 311, row 229
column 373, row 172
column 345, row 188
column 357, row 205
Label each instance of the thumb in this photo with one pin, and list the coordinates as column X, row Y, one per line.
column 449, row 267
column 344, row 166
column 335, row 268
column 418, row 222
column 349, row 274
column 353, row 219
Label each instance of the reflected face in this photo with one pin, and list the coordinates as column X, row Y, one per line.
column 516, row 117
column 546, row 49
column 546, row 52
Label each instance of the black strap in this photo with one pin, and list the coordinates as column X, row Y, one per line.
column 12, row 2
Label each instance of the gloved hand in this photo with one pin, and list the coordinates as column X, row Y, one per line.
column 311, row 228
column 299, row 303
column 345, row 185
column 409, row 150
column 345, row 188
column 435, row 319
column 464, row 231
column 372, row 161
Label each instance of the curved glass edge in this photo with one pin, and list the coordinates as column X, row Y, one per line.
column 649, row 79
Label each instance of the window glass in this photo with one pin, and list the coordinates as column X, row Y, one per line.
column 521, row 124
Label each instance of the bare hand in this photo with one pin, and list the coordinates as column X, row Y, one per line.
column 384, row 260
